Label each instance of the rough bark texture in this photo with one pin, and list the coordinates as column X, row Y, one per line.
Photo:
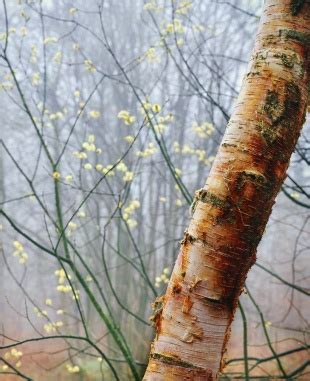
column 193, row 319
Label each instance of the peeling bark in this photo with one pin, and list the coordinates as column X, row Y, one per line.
column 231, row 211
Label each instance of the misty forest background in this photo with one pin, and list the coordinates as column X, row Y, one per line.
column 111, row 115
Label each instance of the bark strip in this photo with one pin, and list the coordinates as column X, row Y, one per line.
column 231, row 211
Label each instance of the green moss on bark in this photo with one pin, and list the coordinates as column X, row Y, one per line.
column 207, row 197
column 296, row 6
column 282, row 111
column 227, row 145
column 173, row 361
column 272, row 104
column 254, row 177
column 298, row 36
column 287, row 60
column 269, row 134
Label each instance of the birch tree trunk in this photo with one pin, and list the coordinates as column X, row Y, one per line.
column 193, row 319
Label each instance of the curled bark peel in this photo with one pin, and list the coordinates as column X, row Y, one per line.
column 232, row 210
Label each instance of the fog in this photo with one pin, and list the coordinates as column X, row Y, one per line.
column 87, row 175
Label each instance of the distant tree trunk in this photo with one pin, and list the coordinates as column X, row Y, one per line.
column 193, row 319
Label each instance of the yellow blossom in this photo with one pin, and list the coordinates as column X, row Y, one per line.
column 127, row 118
column 151, row 56
column 178, row 27
column 295, row 195
column 156, row 108
column 150, row 6
column 128, row 176
column 122, row 167
column 183, row 8
column 7, row 86
column 22, row 260
column 56, row 115
column 201, row 154
column 72, row 368
column 35, row 78
column 49, row 40
column 149, row 151
column 56, row 175
column 20, row 253
column 7, row 355
column 88, row 166
column 89, row 66
column 178, row 202
column 204, row 130
column 169, row 28
column 57, row 57
column 15, row 353
column 159, row 128
column 94, row 114
column 72, row 225
column 132, row 206
column 72, row 11
column 80, row 155
column 169, row 117
column 198, row 28
column 132, row 223
column 108, row 170
column 162, row 278
column 89, row 146
column 176, row 147
column 187, row 149
column 75, row 295
column 146, row 106
column 69, row 178
column 177, row 172
column 48, row 327
column 18, row 246
column 60, row 273
column 91, row 138
column 175, row 27
column 129, row 138
column 65, row 289
column 34, row 54
column 23, row 31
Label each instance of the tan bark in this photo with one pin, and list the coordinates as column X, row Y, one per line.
column 193, row 319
